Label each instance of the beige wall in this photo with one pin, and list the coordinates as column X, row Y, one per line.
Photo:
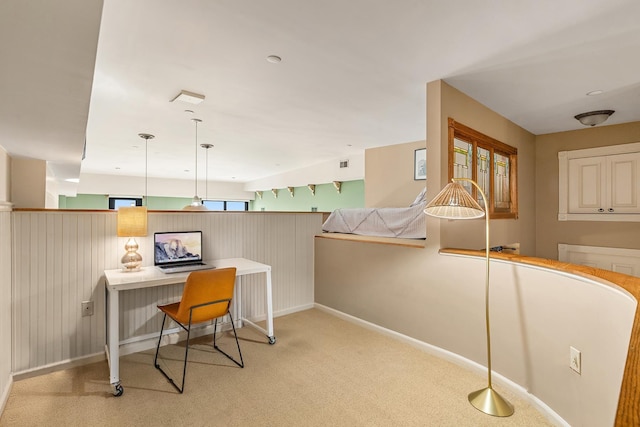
column 6, row 260
column 592, row 233
column 470, row 234
column 5, row 171
column 28, row 183
column 388, row 175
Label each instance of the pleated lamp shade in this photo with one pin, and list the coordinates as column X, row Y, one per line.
column 454, row 202
column 132, row 221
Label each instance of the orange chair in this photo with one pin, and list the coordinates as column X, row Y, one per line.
column 206, row 296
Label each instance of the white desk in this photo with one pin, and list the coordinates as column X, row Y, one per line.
column 119, row 280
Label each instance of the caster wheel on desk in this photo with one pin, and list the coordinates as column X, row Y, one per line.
column 118, row 390
column 272, row 340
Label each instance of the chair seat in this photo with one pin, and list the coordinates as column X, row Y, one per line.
column 170, row 309
column 200, row 314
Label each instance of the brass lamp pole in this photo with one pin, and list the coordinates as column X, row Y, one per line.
column 454, row 202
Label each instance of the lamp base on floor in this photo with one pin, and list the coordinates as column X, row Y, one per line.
column 490, row 402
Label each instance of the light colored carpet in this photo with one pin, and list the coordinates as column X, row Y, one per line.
column 323, row 371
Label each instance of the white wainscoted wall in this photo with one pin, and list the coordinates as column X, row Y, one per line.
column 60, row 257
column 5, row 303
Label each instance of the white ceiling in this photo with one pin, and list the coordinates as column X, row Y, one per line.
column 353, row 76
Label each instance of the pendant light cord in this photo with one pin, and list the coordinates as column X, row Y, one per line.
column 146, row 137
column 206, row 176
column 196, row 152
column 146, row 171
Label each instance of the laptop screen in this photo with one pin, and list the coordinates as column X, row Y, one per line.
column 177, row 247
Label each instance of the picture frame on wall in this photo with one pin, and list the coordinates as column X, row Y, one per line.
column 420, row 164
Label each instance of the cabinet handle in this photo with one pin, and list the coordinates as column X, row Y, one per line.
column 600, row 210
column 610, row 209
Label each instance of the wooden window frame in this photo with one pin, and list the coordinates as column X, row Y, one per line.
column 477, row 139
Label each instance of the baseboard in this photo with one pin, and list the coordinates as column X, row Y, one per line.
column 59, row 366
column 441, row 353
column 5, row 394
column 291, row 310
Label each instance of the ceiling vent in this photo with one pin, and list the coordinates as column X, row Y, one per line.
column 344, row 164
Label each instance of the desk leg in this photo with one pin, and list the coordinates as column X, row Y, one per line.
column 113, row 343
column 237, row 302
column 272, row 338
column 238, row 306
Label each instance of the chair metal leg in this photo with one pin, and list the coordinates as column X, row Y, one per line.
column 215, row 327
column 155, row 360
column 186, row 351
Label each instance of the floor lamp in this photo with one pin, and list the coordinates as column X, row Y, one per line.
column 454, row 202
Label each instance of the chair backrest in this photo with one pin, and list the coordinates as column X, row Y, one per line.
column 206, row 286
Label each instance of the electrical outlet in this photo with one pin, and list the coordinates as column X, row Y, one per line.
column 575, row 359
column 87, row 308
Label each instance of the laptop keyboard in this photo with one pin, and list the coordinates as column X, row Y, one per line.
column 184, row 268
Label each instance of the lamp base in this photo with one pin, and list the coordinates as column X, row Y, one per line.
column 490, row 402
column 132, row 260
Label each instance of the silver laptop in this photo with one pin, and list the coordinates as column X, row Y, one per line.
column 178, row 251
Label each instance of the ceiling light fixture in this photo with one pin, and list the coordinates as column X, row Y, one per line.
column 594, row 92
column 274, row 59
column 196, row 203
column 593, row 118
column 189, row 97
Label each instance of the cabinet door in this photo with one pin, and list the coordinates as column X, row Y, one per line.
column 623, row 171
column 587, row 188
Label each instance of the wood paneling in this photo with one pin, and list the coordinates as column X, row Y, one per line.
column 61, row 256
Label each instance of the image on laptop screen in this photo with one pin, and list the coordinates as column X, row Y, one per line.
column 177, row 247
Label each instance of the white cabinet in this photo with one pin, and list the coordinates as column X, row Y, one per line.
column 607, row 184
column 600, row 184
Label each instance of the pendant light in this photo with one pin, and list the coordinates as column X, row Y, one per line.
column 206, row 170
column 196, row 203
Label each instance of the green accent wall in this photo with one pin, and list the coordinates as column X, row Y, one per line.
column 84, row 201
column 167, row 203
column 326, row 199
column 101, row 202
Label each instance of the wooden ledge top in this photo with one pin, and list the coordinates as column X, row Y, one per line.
column 628, row 413
column 413, row 243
